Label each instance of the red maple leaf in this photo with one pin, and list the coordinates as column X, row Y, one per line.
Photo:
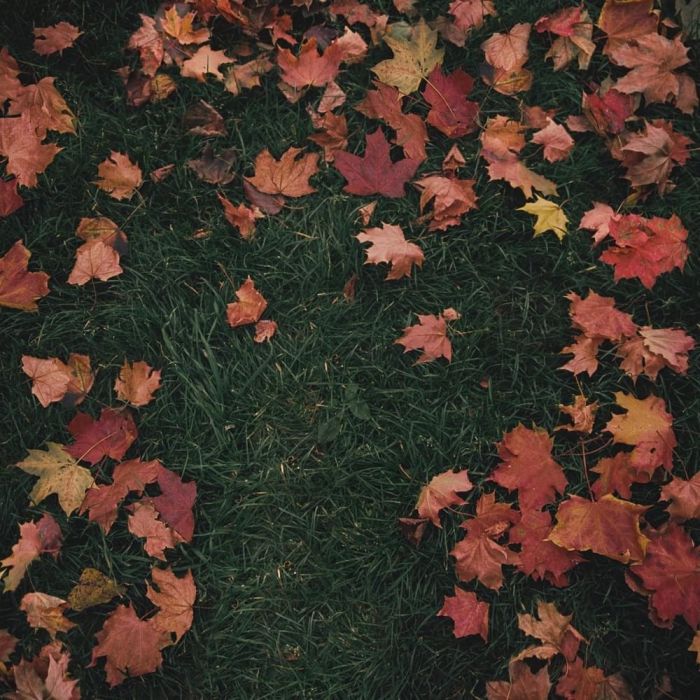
column 19, row 288
column 175, row 502
column 470, row 615
column 450, row 110
column 109, row 436
column 441, row 492
column 375, row 173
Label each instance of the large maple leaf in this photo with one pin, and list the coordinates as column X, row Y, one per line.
column 389, row 245
column 415, row 56
column 470, row 615
column 109, row 436
column 131, row 646
column 609, row 527
column 574, row 31
column 528, row 467
column 175, row 502
column 374, row 172
column 46, row 612
column 471, row 14
column 480, row 557
column 287, row 176
column 684, row 497
column 58, row 473
column 60, row 36
column 143, row 521
column 671, row 572
column 626, row 20
column 441, row 492
column 653, row 59
column 45, row 108
column 450, row 110
column 174, row 596
column 451, row 198
column 653, row 349
column 646, row 248
column 136, row 383
column 646, row 425
column 597, row 317
column 118, row 176
column 550, row 217
column 310, row 67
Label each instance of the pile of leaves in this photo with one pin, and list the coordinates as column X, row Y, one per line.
column 304, row 48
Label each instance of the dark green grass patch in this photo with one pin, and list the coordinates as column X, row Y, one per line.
column 307, row 449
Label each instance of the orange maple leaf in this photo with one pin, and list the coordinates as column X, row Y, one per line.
column 19, row 288
column 389, row 245
column 48, row 40
column 249, row 307
column 430, row 336
column 136, row 383
column 441, row 492
column 118, row 176
column 287, row 176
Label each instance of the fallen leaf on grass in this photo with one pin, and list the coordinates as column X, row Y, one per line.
column 136, row 383
column 550, row 217
column 389, row 245
column 48, row 40
column 429, row 336
column 93, row 588
column 470, row 615
column 118, row 176
column 54, row 380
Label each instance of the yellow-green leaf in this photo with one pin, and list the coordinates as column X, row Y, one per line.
column 550, row 217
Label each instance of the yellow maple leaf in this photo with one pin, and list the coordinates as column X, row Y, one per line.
column 58, row 473
column 550, row 217
column 415, row 56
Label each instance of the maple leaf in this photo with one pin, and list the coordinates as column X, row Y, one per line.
column 597, row 317
column 58, row 473
column 26, row 155
column 175, row 597
column 623, row 21
column 136, row 383
column 118, row 176
column 54, row 380
column 492, row 517
column 131, row 646
column 205, row 61
column 450, row 110
column 19, row 288
column 470, row 615
column 35, row 539
column 523, row 685
column 550, row 217
column 646, row 248
column 414, row 58
column 249, row 307
column 470, row 14
column 651, row 155
column 144, row 522
column 216, row 169
column 556, row 141
column 584, row 350
column 528, row 467
column 652, row 59
column 10, row 84
column 179, row 24
column 646, row 426
column 93, row 588
column 374, row 173
column 385, row 103
column 574, row 31
column 389, row 245
column 441, row 492
column 10, row 199
column 264, row 330
column 109, row 436
column 45, row 108
column 481, row 557
column 101, row 502
column 149, row 43
column 95, row 260
column 428, row 335
column 671, row 572
column 684, row 496
column 241, row 217
column 609, row 527
column 553, row 629
column 175, row 503
column 287, row 176
column 540, row 558
column 606, row 111
column 46, row 612
column 310, row 67
column 451, row 199
column 653, row 349
column 582, row 415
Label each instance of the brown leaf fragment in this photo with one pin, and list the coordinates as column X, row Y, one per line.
column 46, row 612
column 265, row 329
column 216, row 169
column 202, row 119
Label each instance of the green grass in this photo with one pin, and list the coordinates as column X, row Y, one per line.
column 306, row 588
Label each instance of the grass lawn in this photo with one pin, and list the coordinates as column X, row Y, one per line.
column 306, row 587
